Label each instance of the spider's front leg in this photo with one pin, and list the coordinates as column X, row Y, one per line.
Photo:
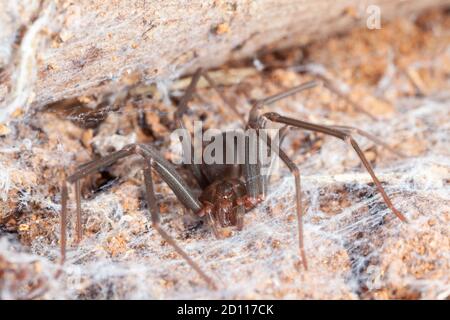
column 256, row 182
column 153, row 160
column 81, row 172
column 256, row 121
column 346, row 137
column 155, row 218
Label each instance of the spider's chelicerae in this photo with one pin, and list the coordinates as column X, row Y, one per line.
column 228, row 190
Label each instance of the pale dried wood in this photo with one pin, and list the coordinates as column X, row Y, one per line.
column 92, row 46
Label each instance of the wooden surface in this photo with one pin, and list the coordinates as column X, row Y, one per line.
column 95, row 46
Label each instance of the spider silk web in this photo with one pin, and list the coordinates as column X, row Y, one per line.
column 354, row 244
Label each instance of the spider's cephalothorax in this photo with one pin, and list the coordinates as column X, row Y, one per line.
column 225, row 202
column 228, row 190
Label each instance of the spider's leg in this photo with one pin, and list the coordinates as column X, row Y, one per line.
column 178, row 117
column 287, row 93
column 345, row 136
column 240, row 211
column 298, row 191
column 82, row 172
column 94, row 165
column 298, row 201
column 283, row 133
column 192, row 88
column 331, row 87
column 256, row 183
column 353, row 130
column 155, row 218
column 63, row 222
column 214, row 226
column 170, row 175
column 222, row 96
column 78, row 231
column 254, row 180
column 164, row 168
column 183, row 106
column 328, row 84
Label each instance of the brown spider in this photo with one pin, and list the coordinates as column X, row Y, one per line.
column 229, row 190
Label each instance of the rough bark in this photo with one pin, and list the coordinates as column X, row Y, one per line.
column 86, row 47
